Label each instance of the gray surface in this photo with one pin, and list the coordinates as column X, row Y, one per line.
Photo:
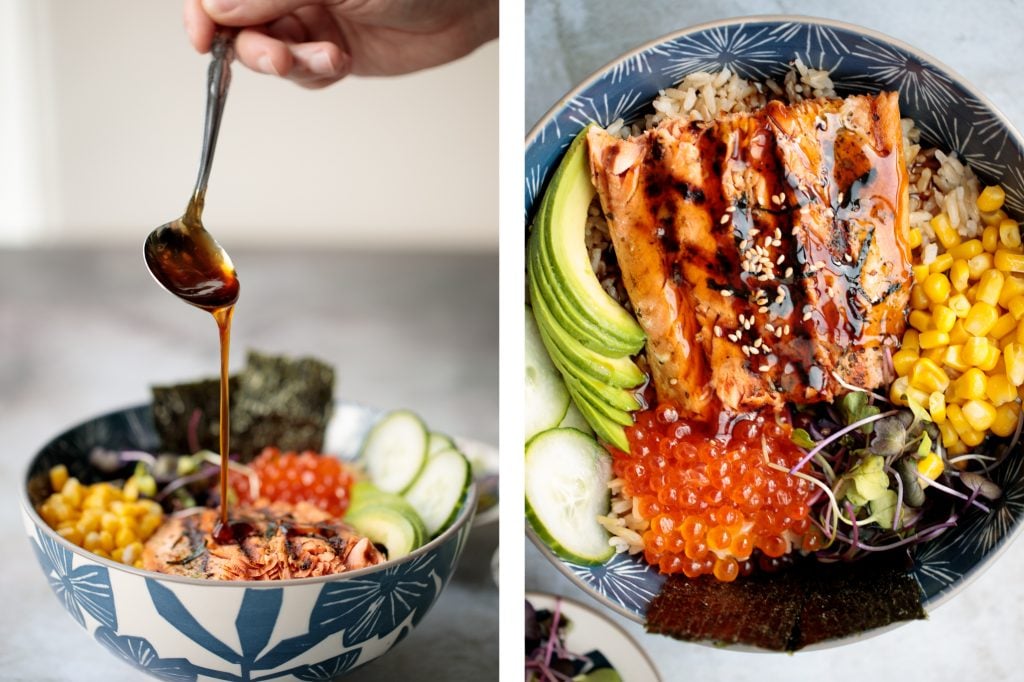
column 82, row 333
column 974, row 636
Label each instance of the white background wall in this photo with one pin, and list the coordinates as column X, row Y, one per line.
column 101, row 107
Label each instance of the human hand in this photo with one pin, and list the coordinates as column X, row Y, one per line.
column 318, row 42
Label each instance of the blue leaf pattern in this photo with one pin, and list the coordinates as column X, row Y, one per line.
column 140, row 653
column 328, row 669
column 84, row 588
column 256, row 619
column 174, row 612
column 950, row 117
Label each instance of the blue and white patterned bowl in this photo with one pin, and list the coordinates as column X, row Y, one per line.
column 184, row 629
column 951, row 116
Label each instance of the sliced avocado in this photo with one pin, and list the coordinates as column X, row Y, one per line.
column 581, row 326
column 614, row 396
column 595, row 392
column 566, row 350
column 606, row 429
column 366, row 494
column 560, row 231
column 386, row 525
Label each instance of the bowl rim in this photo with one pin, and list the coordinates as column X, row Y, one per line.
column 463, row 519
column 594, row 76
column 537, row 129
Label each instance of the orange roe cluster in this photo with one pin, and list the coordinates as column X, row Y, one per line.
column 296, row 477
column 709, row 496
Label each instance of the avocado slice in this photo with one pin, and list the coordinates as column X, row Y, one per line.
column 606, row 429
column 584, row 392
column 560, row 233
column 570, row 353
column 612, row 396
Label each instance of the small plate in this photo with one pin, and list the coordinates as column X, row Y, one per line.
column 590, row 630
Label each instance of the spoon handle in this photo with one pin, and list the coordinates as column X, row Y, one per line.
column 218, row 79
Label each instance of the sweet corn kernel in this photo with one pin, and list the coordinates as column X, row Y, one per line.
column 943, row 318
column 975, row 350
column 1013, row 285
column 132, row 553
column 993, row 217
column 918, row 299
column 914, row 238
column 980, row 319
column 898, row 391
column 1008, row 261
column 71, row 534
column 933, row 339
column 989, row 287
column 952, row 357
column 124, row 537
column 959, row 274
column 936, row 287
column 73, row 492
column 1003, row 326
column 920, row 272
column 999, row 390
column 1007, row 416
column 117, row 554
column 928, row 376
column 993, row 356
column 959, row 304
column 930, row 466
column 911, row 340
column 979, row 414
column 967, row 250
column 1013, row 356
column 58, row 477
column 979, row 264
column 944, row 231
column 110, row 522
column 990, row 238
column 903, row 360
column 937, row 407
column 948, row 433
column 1009, row 233
column 958, row 448
column 131, row 489
column 971, row 385
column 934, row 354
column 1018, row 335
column 991, row 198
column 918, row 395
column 920, row 320
column 942, row 262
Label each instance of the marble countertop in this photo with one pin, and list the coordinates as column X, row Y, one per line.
column 973, row 636
column 85, row 332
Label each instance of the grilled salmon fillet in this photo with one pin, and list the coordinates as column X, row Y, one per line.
column 764, row 253
column 273, row 542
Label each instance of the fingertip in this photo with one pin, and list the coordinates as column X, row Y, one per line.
column 262, row 53
column 322, row 60
column 198, row 26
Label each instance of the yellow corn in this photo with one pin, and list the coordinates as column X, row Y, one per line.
column 990, row 238
column 959, row 274
column 991, row 198
column 930, row 466
column 993, row 217
column 979, row 414
column 911, row 340
column 981, row 318
column 1008, row 261
column 999, row 390
column 920, row 272
column 942, row 262
column 903, row 360
column 920, row 320
column 943, row 318
column 1003, row 326
column 959, row 304
column 948, row 432
column 964, row 430
column 952, row 357
column 979, row 264
column 936, row 287
column 967, row 250
column 58, row 477
column 1009, row 233
column 1013, row 356
column 928, row 376
column 975, row 350
column 989, row 287
column 914, row 238
column 1007, row 416
column 937, row 406
column 898, row 391
column 944, row 231
column 971, row 385
column 993, row 356
column 933, row 339
column 934, row 354
column 1012, row 286
column 957, row 448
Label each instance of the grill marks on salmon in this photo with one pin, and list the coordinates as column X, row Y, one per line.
column 762, row 252
column 280, row 541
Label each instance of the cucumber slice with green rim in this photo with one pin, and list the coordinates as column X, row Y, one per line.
column 386, row 525
column 566, row 476
column 439, row 441
column 547, row 399
column 438, row 493
column 395, row 451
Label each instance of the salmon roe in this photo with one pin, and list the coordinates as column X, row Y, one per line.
column 293, row 477
column 710, row 498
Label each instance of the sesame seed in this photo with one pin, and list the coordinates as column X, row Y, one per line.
column 778, row 333
column 754, row 232
column 789, row 272
column 758, row 343
column 727, row 292
column 748, row 324
column 840, row 198
column 770, row 327
column 785, row 330
column 763, row 309
column 754, row 351
column 807, row 315
column 730, row 209
column 718, row 331
column 782, row 257
column 725, row 219
column 764, row 368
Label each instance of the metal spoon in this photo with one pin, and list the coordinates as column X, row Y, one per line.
column 181, row 255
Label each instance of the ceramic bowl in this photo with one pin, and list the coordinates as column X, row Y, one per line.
column 187, row 629
column 951, row 114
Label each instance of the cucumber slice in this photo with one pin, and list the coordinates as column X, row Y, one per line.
column 388, row 526
column 438, row 493
column 547, row 399
column 566, row 476
column 439, row 441
column 395, row 451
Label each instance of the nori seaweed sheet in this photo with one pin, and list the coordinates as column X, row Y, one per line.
column 275, row 400
column 787, row 611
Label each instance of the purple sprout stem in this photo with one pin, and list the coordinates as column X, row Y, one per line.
column 138, row 456
column 839, row 434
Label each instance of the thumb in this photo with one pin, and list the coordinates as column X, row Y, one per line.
column 250, row 12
